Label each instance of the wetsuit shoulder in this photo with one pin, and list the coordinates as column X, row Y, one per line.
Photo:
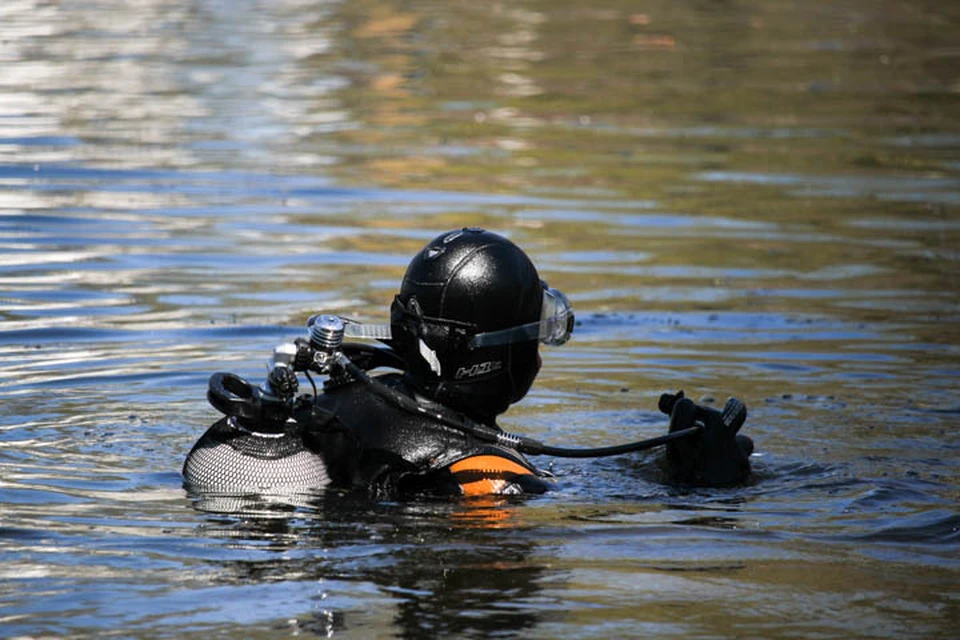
column 373, row 444
column 396, row 450
column 376, row 423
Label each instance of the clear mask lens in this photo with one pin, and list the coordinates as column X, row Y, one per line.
column 556, row 318
column 554, row 327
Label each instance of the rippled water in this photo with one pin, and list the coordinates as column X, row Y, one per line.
column 753, row 199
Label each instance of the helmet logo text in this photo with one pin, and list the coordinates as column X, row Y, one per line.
column 479, row 369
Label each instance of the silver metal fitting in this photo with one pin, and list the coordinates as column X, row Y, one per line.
column 508, row 440
column 284, row 354
column 326, row 333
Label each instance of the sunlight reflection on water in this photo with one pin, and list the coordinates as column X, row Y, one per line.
column 182, row 185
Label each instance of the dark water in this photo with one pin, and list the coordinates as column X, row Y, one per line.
column 741, row 198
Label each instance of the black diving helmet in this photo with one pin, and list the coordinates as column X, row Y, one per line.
column 468, row 319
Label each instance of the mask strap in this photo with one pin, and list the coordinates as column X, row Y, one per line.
column 410, row 316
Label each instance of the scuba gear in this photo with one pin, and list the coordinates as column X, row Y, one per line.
column 256, row 446
column 399, row 449
column 358, row 438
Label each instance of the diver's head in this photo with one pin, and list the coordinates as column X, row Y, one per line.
column 468, row 318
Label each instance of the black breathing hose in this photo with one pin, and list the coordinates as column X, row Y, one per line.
column 522, row 444
column 483, row 432
column 535, row 448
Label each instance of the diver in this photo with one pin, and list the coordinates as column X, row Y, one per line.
column 463, row 341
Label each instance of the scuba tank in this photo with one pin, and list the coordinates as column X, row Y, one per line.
column 257, row 446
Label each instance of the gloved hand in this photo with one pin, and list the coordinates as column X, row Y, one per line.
column 716, row 455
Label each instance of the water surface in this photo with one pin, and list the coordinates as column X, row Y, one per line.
column 750, row 199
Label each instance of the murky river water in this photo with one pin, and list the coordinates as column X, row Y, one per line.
column 741, row 198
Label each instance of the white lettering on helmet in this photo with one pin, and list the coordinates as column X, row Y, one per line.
column 479, row 369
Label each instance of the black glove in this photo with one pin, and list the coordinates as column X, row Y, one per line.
column 715, row 455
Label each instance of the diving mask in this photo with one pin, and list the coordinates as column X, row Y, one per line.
column 553, row 329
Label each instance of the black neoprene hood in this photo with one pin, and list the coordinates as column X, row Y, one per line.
column 462, row 283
